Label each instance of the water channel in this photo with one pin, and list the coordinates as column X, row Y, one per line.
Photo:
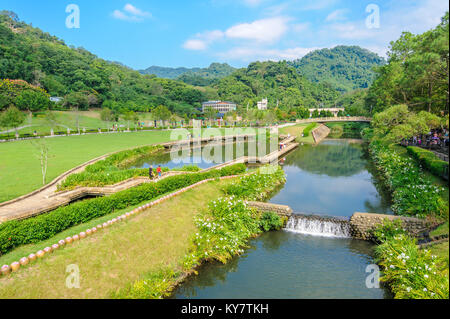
column 332, row 179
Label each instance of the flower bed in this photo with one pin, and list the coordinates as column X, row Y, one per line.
column 413, row 193
column 429, row 160
column 257, row 186
column 412, row 273
column 113, row 169
column 222, row 233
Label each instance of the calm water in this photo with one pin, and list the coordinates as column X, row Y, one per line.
column 332, row 179
column 205, row 157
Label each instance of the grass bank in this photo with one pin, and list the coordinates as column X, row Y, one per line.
column 112, row 258
column 298, row 131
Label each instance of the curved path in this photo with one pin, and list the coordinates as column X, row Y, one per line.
column 46, row 198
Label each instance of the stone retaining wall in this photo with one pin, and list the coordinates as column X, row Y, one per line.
column 282, row 210
column 362, row 223
column 320, row 133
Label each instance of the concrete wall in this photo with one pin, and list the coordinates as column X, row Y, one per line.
column 320, row 133
column 362, row 223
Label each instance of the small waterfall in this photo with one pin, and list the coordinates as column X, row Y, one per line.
column 319, row 226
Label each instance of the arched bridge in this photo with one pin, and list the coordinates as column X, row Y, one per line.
column 336, row 119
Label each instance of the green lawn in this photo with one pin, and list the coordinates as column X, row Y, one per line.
column 297, row 130
column 20, row 170
column 114, row 257
column 86, row 119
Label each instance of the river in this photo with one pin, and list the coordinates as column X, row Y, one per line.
column 331, row 179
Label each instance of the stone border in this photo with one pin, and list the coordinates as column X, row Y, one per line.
column 15, row 266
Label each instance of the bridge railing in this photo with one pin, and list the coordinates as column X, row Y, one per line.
column 336, row 119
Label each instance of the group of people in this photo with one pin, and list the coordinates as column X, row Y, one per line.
column 435, row 139
column 151, row 174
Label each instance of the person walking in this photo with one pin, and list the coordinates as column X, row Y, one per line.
column 150, row 172
column 159, row 171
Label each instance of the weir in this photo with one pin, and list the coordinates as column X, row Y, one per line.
column 319, row 226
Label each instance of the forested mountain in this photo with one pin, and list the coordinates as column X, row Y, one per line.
column 345, row 68
column 83, row 79
column 166, row 72
column 277, row 81
column 207, row 76
column 194, row 76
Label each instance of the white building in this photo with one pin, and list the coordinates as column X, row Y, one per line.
column 262, row 105
column 220, row 106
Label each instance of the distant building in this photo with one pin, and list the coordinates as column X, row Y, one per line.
column 220, row 106
column 56, row 99
column 262, row 105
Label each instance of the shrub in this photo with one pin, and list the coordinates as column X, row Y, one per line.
column 411, row 272
column 429, row 160
column 271, row 221
column 308, row 129
column 257, row 186
column 413, row 193
column 20, row 232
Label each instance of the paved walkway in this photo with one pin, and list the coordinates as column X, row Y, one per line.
column 47, row 198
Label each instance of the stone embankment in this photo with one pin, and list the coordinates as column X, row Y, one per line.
column 320, row 133
column 362, row 224
column 282, row 210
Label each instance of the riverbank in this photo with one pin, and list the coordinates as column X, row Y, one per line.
column 411, row 272
column 223, row 230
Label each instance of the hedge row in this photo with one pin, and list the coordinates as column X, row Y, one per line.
column 308, row 129
column 33, row 230
column 429, row 160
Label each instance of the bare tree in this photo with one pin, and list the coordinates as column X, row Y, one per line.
column 42, row 153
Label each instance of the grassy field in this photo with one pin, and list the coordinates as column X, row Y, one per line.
column 68, row 119
column 297, row 130
column 116, row 256
column 20, row 170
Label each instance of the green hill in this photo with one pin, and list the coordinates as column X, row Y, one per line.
column 345, row 68
column 277, row 81
column 193, row 76
column 83, row 79
column 166, row 72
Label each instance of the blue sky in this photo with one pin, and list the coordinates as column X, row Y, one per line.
column 192, row 33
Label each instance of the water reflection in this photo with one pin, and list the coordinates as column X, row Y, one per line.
column 288, row 266
column 331, row 179
column 205, row 157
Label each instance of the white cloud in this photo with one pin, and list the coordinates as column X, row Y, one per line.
column 336, row 15
column 132, row 14
column 195, row 44
column 248, row 54
column 135, row 11
column 264, row 31
column 253, row 3
column 201, row 40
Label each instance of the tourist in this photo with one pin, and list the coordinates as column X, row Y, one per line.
column 150, row 172
column 159, row 171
